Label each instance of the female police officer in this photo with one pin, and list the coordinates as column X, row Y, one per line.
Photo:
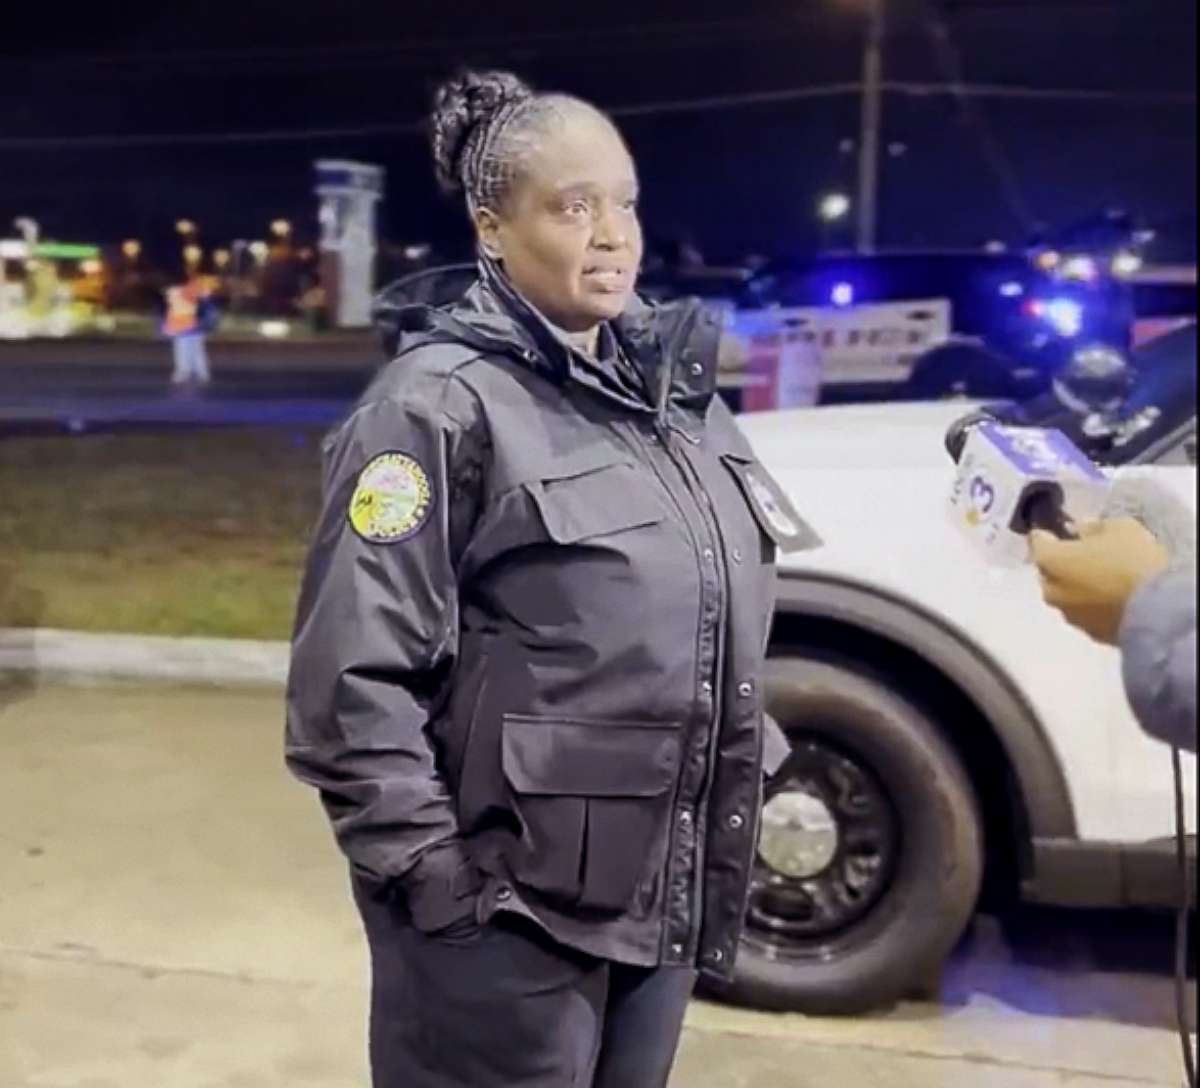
column 525, row 672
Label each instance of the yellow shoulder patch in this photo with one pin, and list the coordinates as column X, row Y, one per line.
column 392, row 499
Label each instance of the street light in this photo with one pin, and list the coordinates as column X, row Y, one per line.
column 185, row 227
column 192, row 255
column 833, row 206
column 221, row 257
column 259, row 251
column 1126, row 264
column 281, row 228
column 831, row 209
column 132, row 248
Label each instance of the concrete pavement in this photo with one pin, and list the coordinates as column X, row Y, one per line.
column 44, row 653
column 173, row 915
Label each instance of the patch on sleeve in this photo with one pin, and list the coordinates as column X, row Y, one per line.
column 392, row 499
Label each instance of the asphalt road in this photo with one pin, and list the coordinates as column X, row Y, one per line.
column 173, row 912
column 87, row 385
column 78, row 385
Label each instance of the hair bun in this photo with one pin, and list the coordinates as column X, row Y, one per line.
column 460, row 105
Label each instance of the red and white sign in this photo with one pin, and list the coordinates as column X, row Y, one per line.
column 791, row 353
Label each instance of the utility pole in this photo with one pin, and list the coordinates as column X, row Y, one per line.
column 868, row 137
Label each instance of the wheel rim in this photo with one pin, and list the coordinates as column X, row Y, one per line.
column 829, row 845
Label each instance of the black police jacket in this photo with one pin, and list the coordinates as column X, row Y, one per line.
column 527, row 664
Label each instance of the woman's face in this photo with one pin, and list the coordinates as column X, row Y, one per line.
column 568, row 234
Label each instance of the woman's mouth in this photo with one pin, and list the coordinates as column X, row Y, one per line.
column 606, row 279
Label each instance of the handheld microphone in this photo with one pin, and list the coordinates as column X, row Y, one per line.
column 1012, row 480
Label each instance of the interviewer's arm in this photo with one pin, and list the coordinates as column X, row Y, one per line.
column 1158, row 653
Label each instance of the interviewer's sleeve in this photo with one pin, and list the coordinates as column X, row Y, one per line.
column 1158, row 650
column 375, row 642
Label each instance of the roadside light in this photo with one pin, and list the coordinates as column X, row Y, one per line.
column 1079, row 267
column 1048, row 260
column 259, row 250
column 1012, row 289
column 91, row 267
column 842, row 294
column 185, row 226
column 1126, row 264
column 833, row 206
column 192, row 254
column 132, row 248
column 1064, row 315
column 281, row 228
column 221, row 258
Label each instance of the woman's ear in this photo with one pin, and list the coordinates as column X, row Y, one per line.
column 487, row 229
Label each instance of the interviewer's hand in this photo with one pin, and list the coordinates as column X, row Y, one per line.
column 1090, row 580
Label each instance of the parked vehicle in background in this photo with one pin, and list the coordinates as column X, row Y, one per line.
column 930, row 324
column 948, row 732
column 1164, row 298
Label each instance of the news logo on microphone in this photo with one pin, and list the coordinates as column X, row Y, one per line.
column 1014, row 479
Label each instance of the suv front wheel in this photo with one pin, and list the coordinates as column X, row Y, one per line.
column 870, row 850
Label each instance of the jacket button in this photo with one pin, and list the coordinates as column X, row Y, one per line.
column 706, row 687
column 503, row 892
column 736, row 822
column 737, row 555
column 745, row 689
column 685, row 818
column 716, row 955
column 697, row 369
column 676, row 950
column 709, row 554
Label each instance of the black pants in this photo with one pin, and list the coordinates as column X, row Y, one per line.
column 512, row 1009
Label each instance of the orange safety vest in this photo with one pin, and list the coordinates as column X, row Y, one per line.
column 183, row 308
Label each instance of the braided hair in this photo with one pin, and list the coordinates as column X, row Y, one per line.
column 485, row 126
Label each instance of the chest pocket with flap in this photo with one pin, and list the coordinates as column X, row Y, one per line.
column 596, row 502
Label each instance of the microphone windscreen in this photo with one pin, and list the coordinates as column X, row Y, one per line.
column 1160, row 510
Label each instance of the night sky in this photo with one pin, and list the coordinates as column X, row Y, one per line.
column 85, row 95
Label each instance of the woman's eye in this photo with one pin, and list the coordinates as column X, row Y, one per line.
column 578, row 207
column 630, row 205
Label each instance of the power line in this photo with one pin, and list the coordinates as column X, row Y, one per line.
column 733, row 101
column 993, row 152
column 716, row 29
column 1059, row 94
column 204, row 139
column 691, row 105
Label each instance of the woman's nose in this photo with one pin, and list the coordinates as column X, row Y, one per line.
column 609, row 232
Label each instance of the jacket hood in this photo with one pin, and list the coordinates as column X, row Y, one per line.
column 673, row 345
